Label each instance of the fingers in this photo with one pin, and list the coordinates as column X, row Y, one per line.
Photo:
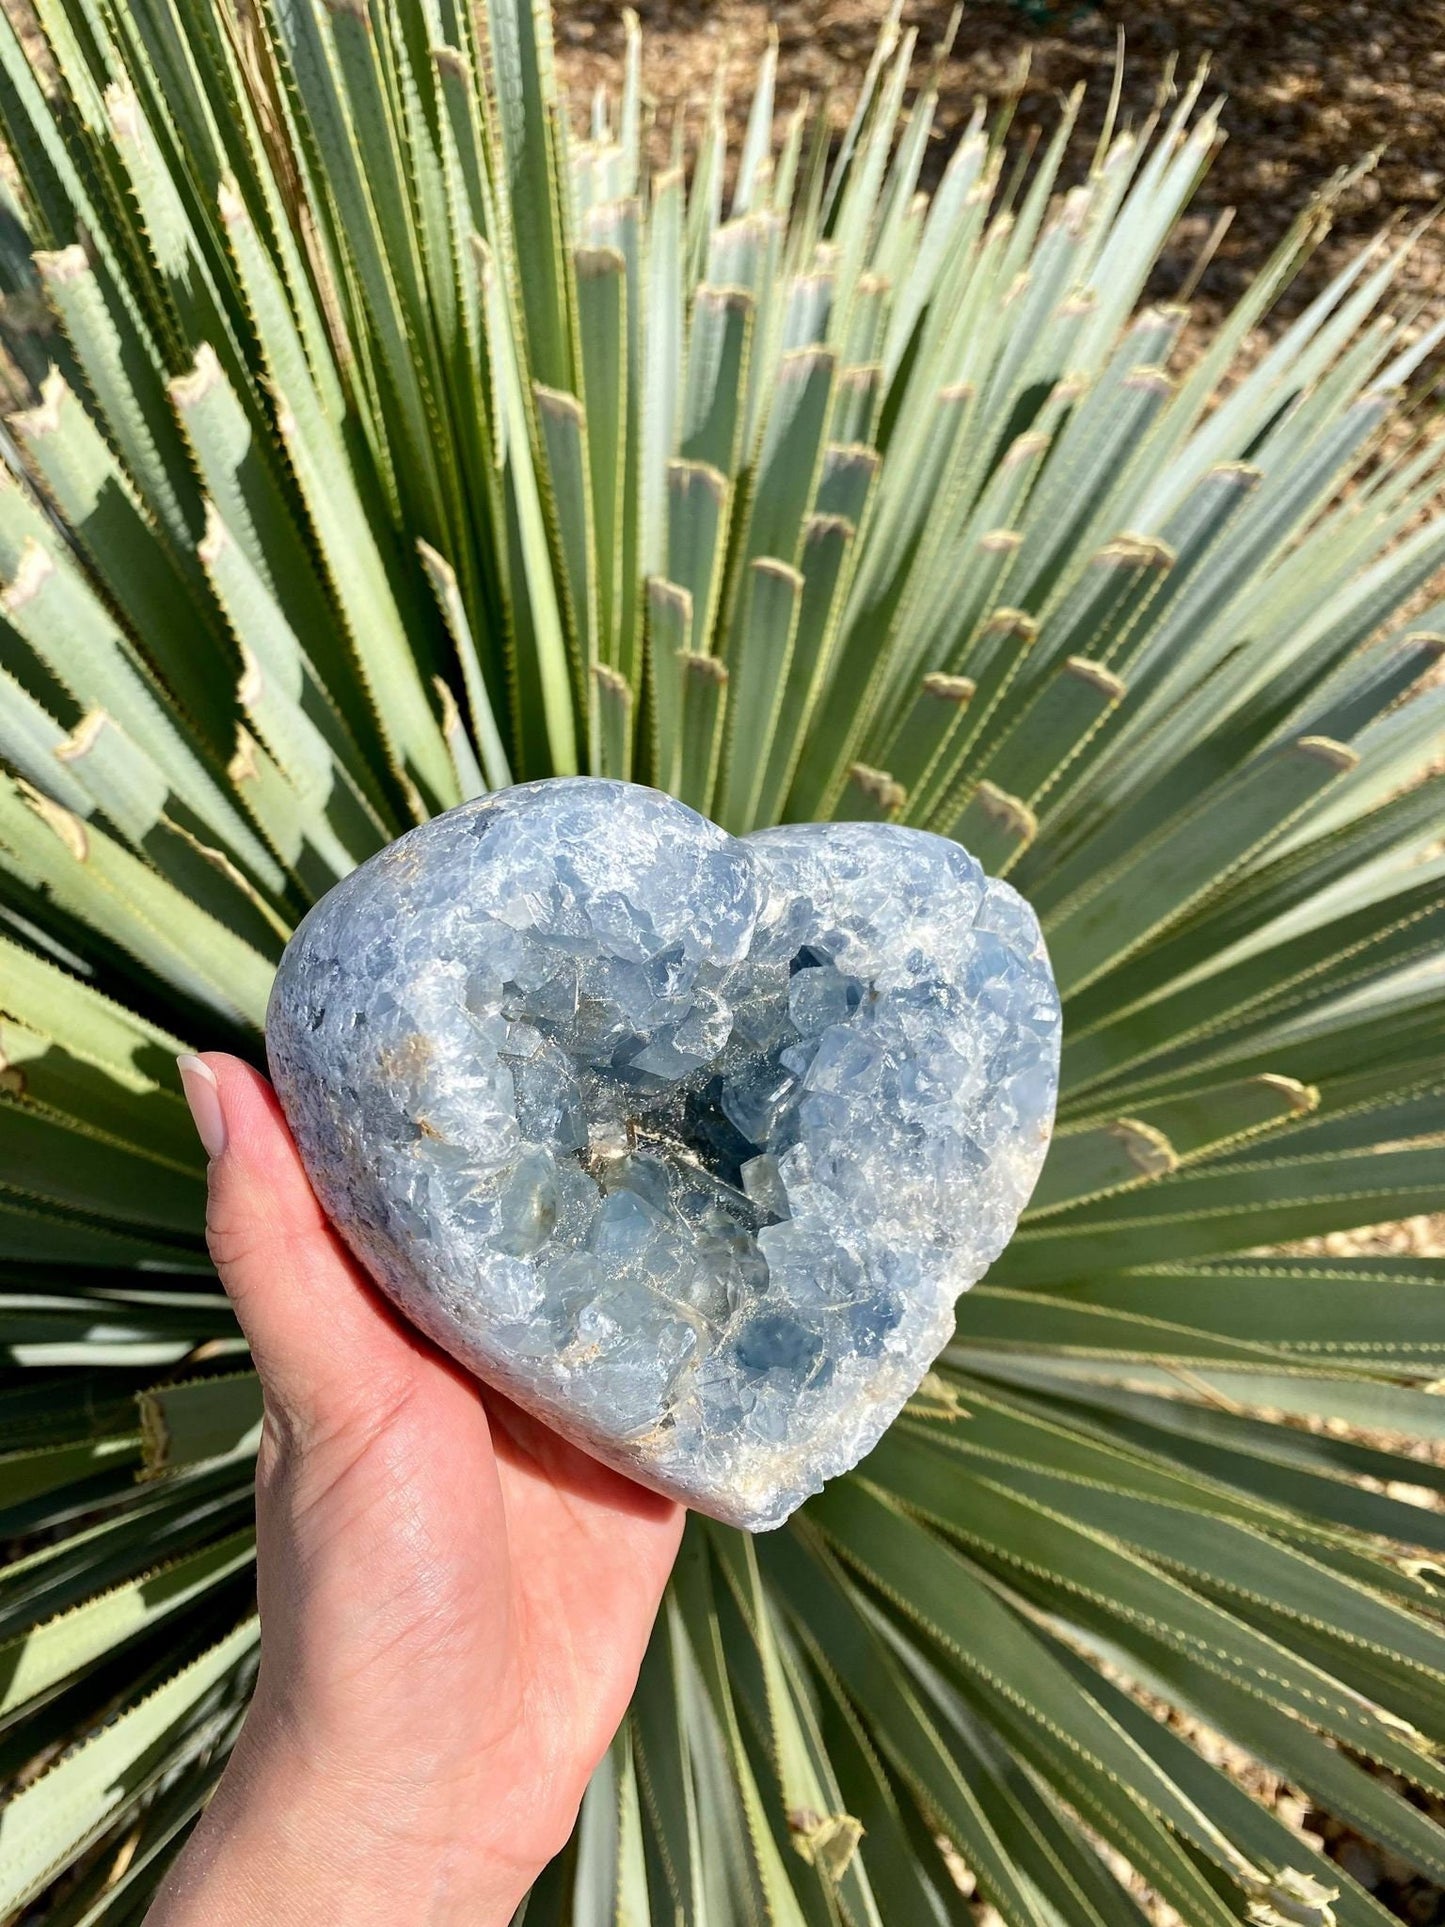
column 319, row 1334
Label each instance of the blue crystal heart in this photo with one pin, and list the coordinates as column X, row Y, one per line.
column 686, row 1142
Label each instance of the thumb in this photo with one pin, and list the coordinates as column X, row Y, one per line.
column 323, row 1342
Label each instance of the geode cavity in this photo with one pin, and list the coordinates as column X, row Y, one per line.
column 687, row 1143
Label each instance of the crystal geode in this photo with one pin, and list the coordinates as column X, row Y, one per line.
column 686, row 1143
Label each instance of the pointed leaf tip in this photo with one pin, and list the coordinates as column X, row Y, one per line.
column 826, row 1841
column 1325, row 749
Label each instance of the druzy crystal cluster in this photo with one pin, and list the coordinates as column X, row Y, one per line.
column 686, row 1142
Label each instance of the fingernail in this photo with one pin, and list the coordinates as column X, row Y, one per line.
column 203, row 1094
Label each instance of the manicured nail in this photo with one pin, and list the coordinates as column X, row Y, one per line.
column 203, row 1094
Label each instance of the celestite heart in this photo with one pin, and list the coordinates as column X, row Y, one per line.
column 687, row 1143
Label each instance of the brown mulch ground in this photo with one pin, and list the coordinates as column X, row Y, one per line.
column 1310, row 88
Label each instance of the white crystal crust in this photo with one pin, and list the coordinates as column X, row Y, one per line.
column 685, row 1142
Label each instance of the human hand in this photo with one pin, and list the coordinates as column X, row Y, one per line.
column 454, row 1601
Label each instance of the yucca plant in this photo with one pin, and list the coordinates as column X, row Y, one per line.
column 379, row 436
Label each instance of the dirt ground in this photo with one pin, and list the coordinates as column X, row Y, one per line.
column 1310, row 88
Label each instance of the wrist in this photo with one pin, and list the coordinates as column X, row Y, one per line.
column 290, row 1835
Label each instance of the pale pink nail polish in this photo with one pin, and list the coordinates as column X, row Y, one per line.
column 203, row 1094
